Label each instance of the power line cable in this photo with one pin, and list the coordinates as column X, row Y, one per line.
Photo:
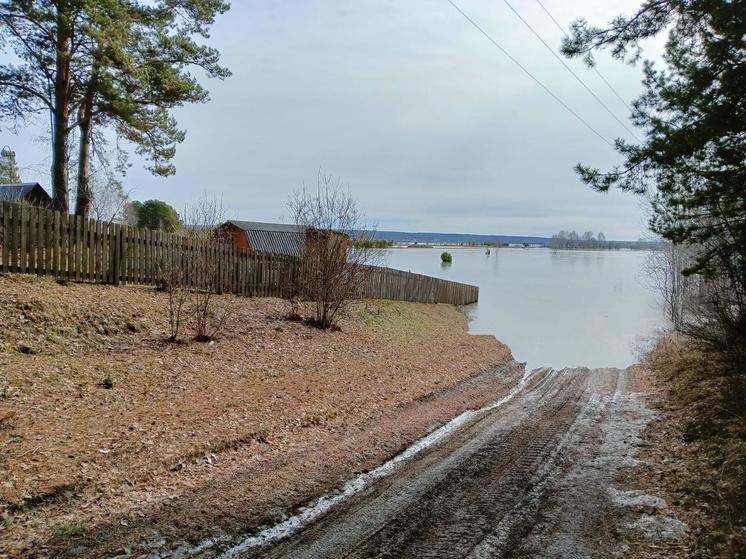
column 598, row 72
column 567, row 67
column 529, row 74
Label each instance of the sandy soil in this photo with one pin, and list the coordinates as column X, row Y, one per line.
column 112, row 440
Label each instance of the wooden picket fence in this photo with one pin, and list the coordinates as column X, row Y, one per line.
column 387, row 283
column 39, row 241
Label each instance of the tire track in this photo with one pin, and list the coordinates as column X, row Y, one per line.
column 447, row 502
column 454, row 516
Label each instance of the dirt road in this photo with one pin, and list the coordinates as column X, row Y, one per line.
column 533, row 477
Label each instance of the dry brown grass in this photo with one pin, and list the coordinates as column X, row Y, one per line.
column 105, row 424
column 697, row 446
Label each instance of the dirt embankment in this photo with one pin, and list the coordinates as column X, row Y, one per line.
column 693, row 453
column 111, row 437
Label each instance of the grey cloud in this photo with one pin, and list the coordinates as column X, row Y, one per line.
column 431, row 127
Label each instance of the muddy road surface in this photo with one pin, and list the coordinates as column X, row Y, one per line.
column 534, row 477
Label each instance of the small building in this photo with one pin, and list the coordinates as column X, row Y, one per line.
column 31, row 192
column 277, row 238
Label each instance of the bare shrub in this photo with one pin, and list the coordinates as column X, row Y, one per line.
column 720, row 320
column 191, row 277
column 173, row 282
column 296, row 308
column 208, row 313
column 335, row 257
column 710, row 309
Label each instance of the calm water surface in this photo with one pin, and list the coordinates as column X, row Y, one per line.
column 553, row 308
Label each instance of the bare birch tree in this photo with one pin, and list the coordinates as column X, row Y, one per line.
column 108, row 198
column 664, row 268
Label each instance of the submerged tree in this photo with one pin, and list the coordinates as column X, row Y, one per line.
column 692, row 159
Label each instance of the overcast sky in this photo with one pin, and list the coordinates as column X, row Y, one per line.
column 430, row 126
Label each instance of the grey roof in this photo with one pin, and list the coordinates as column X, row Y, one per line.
column 20, row 191
column 259, row 226
column 277, row 238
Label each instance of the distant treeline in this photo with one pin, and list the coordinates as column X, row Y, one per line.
column 373, row 243
column 571, row 239
column 465, row 239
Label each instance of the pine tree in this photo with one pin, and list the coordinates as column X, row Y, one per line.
column 120, row 65
column 692, row 158
column 141, row 57
column 40, row 36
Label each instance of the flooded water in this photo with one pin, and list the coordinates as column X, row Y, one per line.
column 553, row 308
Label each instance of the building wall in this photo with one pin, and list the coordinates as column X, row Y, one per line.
column 239, row 237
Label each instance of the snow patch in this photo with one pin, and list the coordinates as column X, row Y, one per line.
column 658, row 527
column 635, row 499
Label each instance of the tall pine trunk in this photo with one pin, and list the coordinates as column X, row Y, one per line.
column 84, row 196
column 60, row 133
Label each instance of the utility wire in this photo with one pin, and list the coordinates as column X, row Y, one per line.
column 567, row 67
column 600, row 75
column 544, row 87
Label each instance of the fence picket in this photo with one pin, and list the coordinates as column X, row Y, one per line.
column 100, row 266
column 14, row 230
column 128, row 253
column 41, row 241
column 67, row 244
column 23, row 239
column 91, row 242
column 39, row 264
column 33, row 234
column 5, row 207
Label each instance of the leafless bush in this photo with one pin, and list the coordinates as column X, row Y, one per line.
column 192, row 277
column 174, row 283
column 209, row 313
column 704, row 284
column 292, row 289
column 335, row 260
column 707, row 309
column 720, row 320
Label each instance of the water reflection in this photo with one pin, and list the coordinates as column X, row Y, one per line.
column 553, row 308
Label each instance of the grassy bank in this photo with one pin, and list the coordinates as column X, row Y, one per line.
column 695, row 450
column 109, row 434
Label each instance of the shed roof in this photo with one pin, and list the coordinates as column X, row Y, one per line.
column 261, row 226
column 277, row 238
column 23, row 190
